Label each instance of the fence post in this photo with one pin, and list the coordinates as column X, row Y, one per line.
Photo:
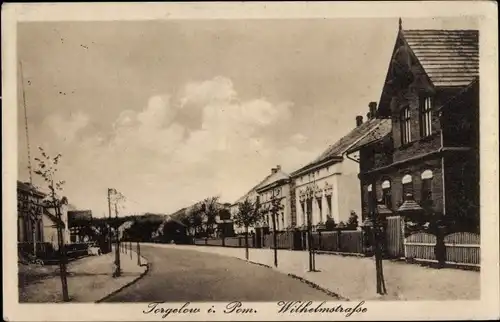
column 339, row 240
column 206, row 241
column 138, row 254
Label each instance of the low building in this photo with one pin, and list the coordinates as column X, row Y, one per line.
column 427, row 153
column 80, row 225
column 37, row 220
column 328, row 187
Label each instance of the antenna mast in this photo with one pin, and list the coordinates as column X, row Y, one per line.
column 26, row 125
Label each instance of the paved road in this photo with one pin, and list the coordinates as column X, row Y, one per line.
column 185, row 275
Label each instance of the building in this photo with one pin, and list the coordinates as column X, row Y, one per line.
column 252, row 195
column 80, row 225
column 225, row 225
column 329, row 185
column 29, row 200
column 425, row 157
column 36, row 220
column 277, row 185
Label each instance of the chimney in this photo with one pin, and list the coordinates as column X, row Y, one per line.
column 278, row 167
column 373, row 109
column 359, row 120
column 274, row 170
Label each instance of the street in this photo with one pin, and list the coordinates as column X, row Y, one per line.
column 185, row 275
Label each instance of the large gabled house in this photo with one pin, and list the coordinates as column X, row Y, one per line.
column 425, row 161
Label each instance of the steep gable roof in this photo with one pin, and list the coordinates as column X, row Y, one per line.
column 343, row 145
column 449, row 57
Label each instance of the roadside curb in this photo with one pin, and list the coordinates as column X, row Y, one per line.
column 144, row 264
column 302, row 279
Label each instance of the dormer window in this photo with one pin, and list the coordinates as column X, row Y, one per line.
column 426, row 104
column 405, row 120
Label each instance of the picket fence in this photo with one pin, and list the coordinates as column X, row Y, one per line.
column 461, row 248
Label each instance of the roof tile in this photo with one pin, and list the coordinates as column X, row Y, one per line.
column 449, row 57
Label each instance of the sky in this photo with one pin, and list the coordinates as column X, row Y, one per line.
column 169, row 112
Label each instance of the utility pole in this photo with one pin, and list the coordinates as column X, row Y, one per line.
column 109, row 221
column 117, row 251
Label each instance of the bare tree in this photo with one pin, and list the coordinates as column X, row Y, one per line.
column 249, row 213
column 47, row 168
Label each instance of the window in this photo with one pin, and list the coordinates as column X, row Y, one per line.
column 426, row 116
column 407, row 185
column 426, row 199
column 386, row 193
column 303, row 212
column 405, row 125
column 329, row 204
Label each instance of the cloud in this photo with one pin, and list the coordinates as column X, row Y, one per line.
column 152, row 156
column 298, row 139
column 66, row 129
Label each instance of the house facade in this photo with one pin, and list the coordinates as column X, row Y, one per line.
column 252, row 195
column 36, row 221
column 428, row 149
column 29, row 201
column 328, row 187
column 277, row 185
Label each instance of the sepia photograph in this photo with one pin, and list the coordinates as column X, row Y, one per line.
column 321, row 165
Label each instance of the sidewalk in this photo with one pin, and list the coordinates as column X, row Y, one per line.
column 89, row 279
column 354, row 278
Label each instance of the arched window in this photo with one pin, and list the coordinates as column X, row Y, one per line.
column 386, row 193
column 426, row 198
column 407, row 185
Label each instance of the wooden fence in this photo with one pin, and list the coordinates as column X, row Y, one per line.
column 342, row 241
column 460, row 248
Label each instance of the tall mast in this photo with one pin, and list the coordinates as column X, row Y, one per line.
column 26, row 126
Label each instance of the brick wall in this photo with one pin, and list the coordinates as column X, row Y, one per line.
column 395, row 176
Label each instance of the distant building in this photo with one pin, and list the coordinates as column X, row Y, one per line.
column 79, row 223
column 428, row 148
column 252, row 195
column 277, row 185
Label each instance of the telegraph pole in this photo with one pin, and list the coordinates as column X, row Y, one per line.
column 109, row 221
column 117, row 251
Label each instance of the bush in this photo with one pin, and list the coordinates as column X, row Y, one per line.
column 353, row 223
column 330, row 223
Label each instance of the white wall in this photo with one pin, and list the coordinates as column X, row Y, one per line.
column 284, row 219
column 345, row 195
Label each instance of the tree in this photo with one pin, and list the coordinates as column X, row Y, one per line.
column 352, row 222
column 330, row 223
column 276, row 207
column 210, row 209
column 248, row 214
column 47, row 169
